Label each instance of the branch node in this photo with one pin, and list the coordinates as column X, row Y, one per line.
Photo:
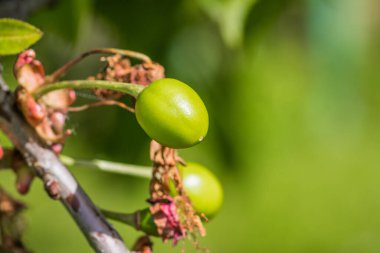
column 52, row 186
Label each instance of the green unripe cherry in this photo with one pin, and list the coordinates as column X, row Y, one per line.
column 203, row 188
column 172, row 113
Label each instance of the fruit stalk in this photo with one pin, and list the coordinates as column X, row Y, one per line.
column 141, row 220
column 108, row 166
column 128, row 88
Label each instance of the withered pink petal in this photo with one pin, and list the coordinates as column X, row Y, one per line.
column 166, row 219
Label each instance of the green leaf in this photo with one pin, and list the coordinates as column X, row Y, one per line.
column 16, row 36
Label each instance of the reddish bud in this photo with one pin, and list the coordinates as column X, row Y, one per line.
column 58, row 121
column 72, row 96
column 28, row 71
column 57, row 148
column 24, row 58
column 24, row 179
column 33, row 112
column 143, row 245
column 59, row 99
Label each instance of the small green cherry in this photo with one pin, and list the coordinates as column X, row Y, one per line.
column 172, row 113
column 203, row 188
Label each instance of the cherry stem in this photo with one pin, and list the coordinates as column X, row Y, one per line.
column 101, row 103
column 62, row 70
column 132, row 219
column 107, row 166
column 127, row 218
column 128, row 88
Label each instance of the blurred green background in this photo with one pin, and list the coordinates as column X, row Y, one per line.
column 293, row 93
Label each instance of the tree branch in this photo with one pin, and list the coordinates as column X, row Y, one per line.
column 58, row 181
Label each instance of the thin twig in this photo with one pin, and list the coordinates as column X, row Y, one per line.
column 59, row 72
column 101, row 103
column 57, row 179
